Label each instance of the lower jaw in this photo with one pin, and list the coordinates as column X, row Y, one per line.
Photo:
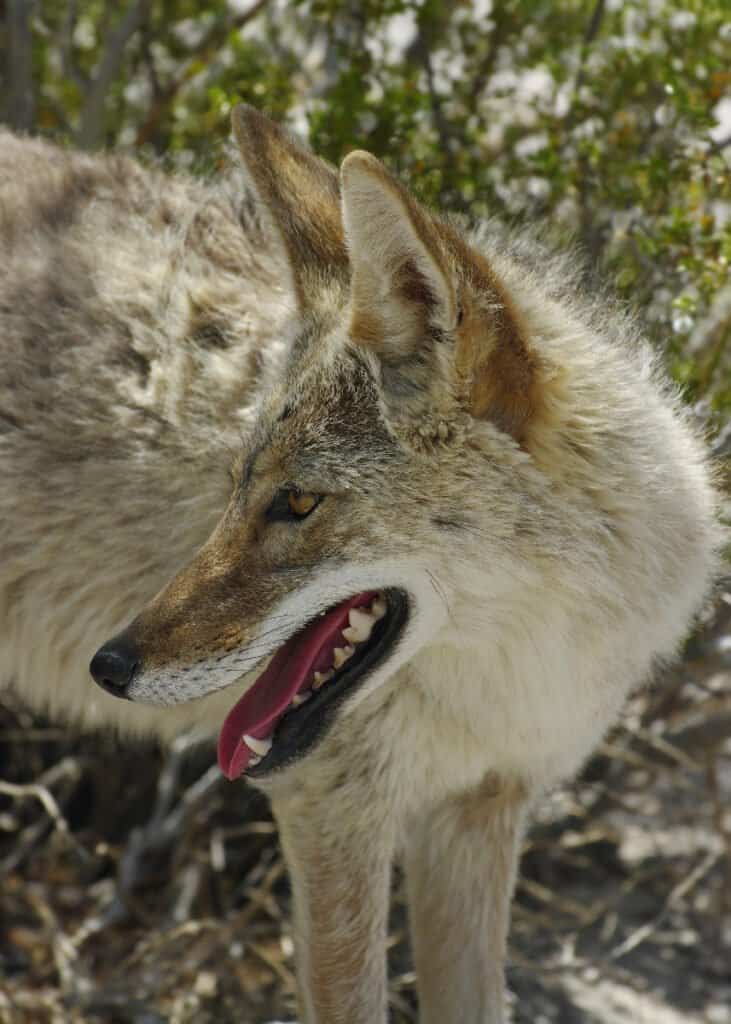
column 302, row 729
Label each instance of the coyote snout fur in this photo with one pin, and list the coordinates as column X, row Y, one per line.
column 432, row 512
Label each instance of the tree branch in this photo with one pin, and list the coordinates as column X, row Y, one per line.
column 91, row 126
column 590, row 34
column 420, row 51
column 67, row 45
column 502, row 25
column 21, row 95
column 210, row 42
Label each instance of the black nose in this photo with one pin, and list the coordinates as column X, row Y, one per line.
column 114, row 664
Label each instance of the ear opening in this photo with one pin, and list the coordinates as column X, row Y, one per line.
column 417, row 283
column 302, row 195
column 399, row 268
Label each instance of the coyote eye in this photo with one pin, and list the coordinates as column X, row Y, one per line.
column 301, row 505
column 289, row 504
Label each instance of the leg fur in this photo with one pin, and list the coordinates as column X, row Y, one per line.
column 461, row 859
column 339, row 871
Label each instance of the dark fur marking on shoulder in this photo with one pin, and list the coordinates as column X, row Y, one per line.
column 248, row 212
column 8, row 423
column 209, row 335
column 450, row 522
column 136, row 361
column 66, row 200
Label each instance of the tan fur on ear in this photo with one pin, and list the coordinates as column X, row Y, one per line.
column 413, row 273
column 399, row 270
column 497, row 371
column 302, row 194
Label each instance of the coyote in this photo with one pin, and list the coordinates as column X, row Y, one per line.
column 417, row 513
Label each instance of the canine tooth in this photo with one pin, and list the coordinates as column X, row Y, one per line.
column 361, row 624
column 300, row 698
column 260, row 747
column 253, row 761
column 378, row 608
column 320, row 678
column 341, row 655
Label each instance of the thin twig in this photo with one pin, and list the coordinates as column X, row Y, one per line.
column 681, row 890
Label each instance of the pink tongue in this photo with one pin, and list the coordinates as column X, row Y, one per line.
column 290, row 670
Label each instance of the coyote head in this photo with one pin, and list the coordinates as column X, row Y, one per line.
column 377, row 474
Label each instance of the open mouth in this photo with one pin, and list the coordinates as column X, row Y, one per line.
column 291, row 705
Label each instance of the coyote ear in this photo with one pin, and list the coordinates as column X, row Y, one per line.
column 416, row 283
column 401, row 284
column 302, row 195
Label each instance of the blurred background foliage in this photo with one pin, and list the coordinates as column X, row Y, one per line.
column 611, row 119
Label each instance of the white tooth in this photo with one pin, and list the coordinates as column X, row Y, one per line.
column 260, row 747
column 253, row 761
column 361, row 624
column 378, row 608
column 300, row 698
column 360, row 615
column 341, row 655
column 321, row 677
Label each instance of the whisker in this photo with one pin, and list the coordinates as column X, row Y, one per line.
column 439, row 591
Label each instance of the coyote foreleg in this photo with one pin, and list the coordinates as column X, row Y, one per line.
column 339, row 869
column 461, row 859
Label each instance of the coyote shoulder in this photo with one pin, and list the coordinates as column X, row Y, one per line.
column 387, row 504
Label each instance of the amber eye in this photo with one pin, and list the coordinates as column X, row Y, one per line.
column 301, row 505
column 289, row 504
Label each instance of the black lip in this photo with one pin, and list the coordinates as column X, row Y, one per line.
column 302, row 728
